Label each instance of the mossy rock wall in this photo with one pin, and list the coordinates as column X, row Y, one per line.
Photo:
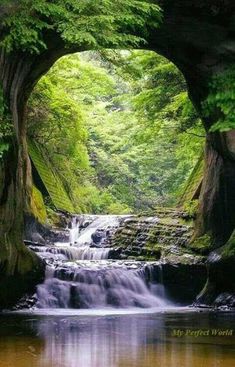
column 20, row 271
column 193, row 184
column 50, row 178
column 37, row 206
column 165, row 237
column 220, row 287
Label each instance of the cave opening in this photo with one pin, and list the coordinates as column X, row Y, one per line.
column 116, row 132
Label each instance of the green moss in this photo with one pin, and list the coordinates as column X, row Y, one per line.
column 53, row 218
column 50, row 178
column 37, row 206
column 174, row 222
column 168, row 221
column 153, row 246
column 202, row 244
column 147, row 258
column 191, row 208
column 229, row 249
column 192, row 187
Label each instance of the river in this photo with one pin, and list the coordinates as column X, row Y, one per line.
column 100, row 339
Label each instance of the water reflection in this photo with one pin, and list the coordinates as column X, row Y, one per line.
column 115, row 341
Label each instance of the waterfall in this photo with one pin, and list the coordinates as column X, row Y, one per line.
column 79, row 245
column 66, row 252
column 157, row 282
column 74, row 231
column 96, row 286
column 81, row 275
column 99, row 222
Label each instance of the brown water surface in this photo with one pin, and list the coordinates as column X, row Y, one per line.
column 132, row 340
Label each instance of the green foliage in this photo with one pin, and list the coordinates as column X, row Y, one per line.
column 84, row 23
column 229, row 249
column 119, row 128
column 222, row 99
column 3, row 148
column 191, row 208
column 203, row 244
column 37, row 206
column 57, row 114
column 164, row 135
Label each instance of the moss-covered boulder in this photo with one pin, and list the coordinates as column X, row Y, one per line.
column 202, row 245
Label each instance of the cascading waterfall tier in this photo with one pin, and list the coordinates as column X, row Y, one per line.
column 96, row 284
column 67, row 252
column 81, row 275
column 89, row 243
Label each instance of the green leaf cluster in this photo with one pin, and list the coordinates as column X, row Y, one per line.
column 221, row 101
column 86, row 24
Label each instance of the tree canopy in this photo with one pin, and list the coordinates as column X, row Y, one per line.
column 91, row 24
column 221, row 100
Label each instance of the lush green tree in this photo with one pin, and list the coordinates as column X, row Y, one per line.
column 85, row 23
column 122, row 133
column 221, row 100
column 152, row 128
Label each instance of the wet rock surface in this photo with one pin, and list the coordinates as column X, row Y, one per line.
column 26, row 302
column 165, row 237
column 219, row 290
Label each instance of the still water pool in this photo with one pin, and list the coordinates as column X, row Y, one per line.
column 118, row 339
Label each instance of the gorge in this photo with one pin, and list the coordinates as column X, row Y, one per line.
column 108, row 235
column 205, row 52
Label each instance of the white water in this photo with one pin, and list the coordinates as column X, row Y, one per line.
column 78, row 246
column 67, row 252
column 97, row 288
column 74, row 231
column 100, row 222
column 81, row 276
